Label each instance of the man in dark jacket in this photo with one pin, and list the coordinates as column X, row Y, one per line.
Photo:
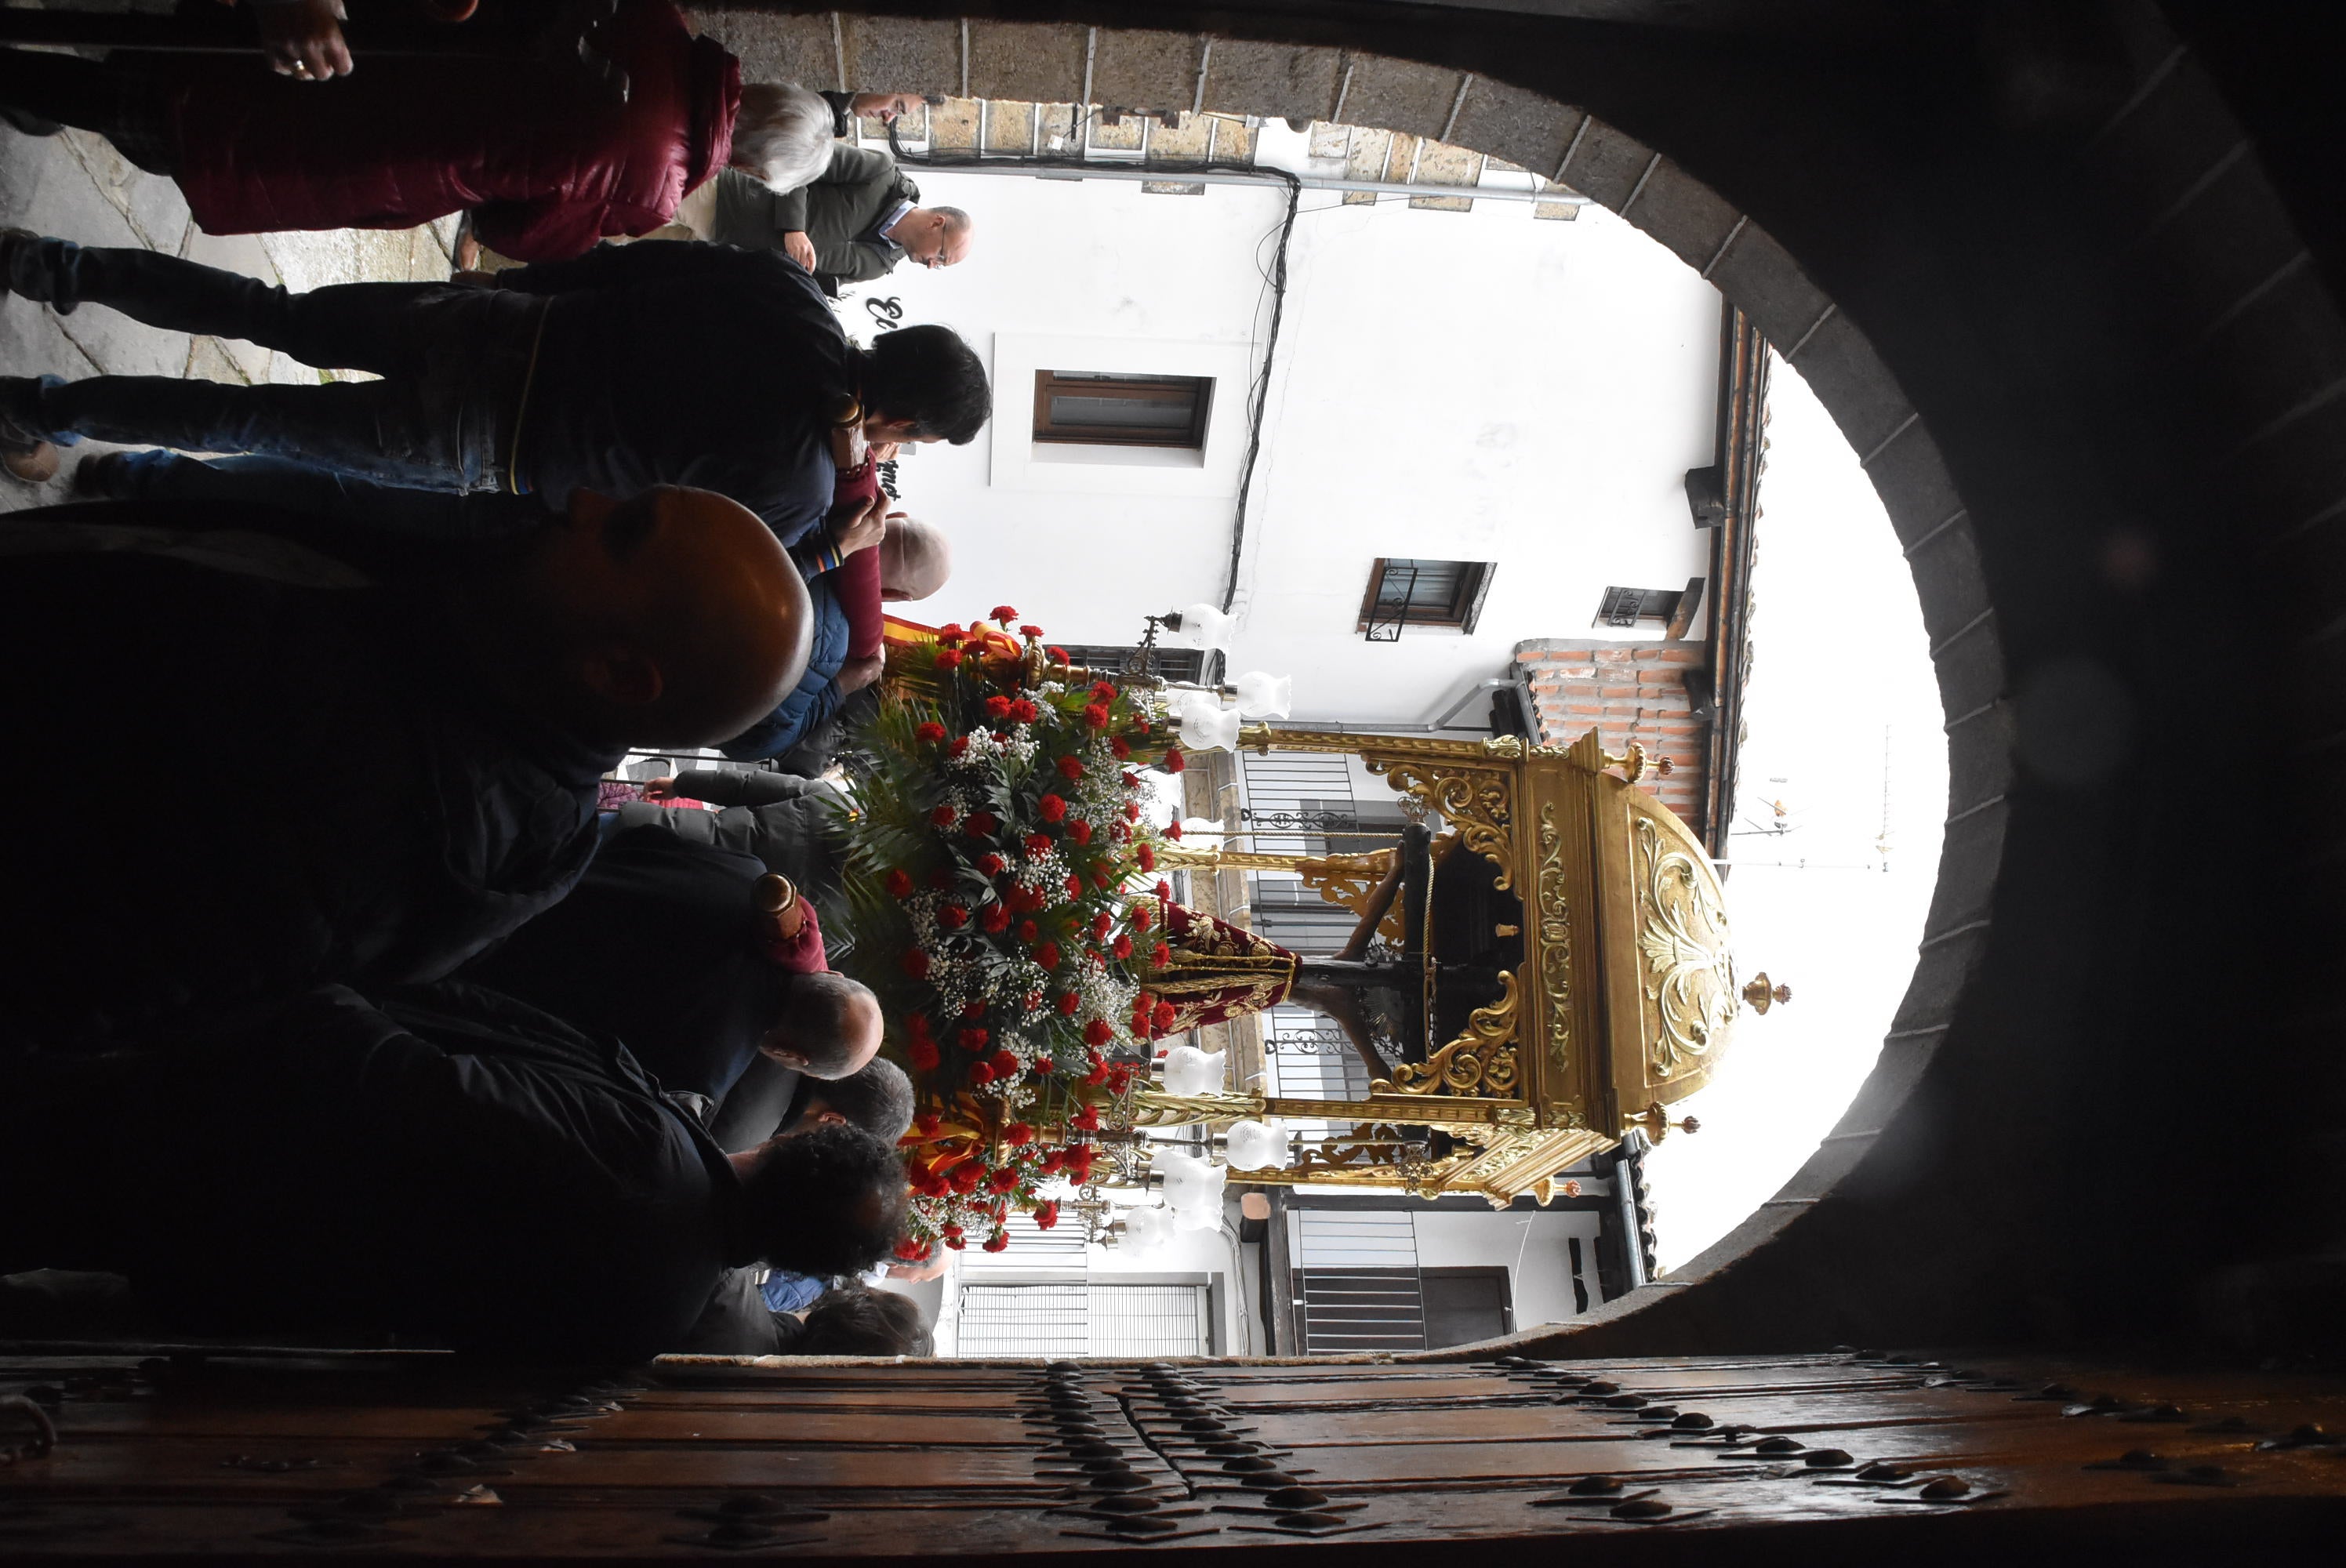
column 390, row 780
column 630, row 366
column 850, row 225
column 782, row 820
column 662, row 944
column 819, row 691
column 446, row 1164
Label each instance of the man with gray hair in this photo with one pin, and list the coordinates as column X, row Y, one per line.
column 667, row 945
column 851, row 224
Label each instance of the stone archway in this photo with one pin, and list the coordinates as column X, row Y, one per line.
column 2055, row 419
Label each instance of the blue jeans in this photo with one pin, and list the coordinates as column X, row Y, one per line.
column 335, row 512
column 452, row 358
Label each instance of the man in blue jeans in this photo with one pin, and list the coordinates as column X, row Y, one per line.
column 630, row 366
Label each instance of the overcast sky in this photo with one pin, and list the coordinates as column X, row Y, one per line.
column 1842, row 664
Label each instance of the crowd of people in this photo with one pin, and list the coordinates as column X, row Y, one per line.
column 426, row 1034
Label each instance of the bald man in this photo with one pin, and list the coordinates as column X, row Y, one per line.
column 288, row 775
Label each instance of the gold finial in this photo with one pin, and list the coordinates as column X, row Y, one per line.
column 1762, row 995
column 1657, row 1122
column 1633, row 762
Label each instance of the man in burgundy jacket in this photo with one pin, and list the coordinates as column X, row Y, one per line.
column 549, row 160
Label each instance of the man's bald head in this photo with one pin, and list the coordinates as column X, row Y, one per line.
column 916, row 559
column 672, row 618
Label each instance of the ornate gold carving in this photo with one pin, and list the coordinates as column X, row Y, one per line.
column 1554, row 915
column 1508, row 746
column 1657, row 1122
column 1689, row 973
column 1477, row 802
column 1155, row 1109
column 1481, row 1060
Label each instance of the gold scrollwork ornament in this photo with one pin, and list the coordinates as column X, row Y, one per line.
column 1689, row 972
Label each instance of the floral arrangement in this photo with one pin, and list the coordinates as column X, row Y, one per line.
column 986, row 882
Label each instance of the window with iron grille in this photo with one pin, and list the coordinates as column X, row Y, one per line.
column 1410, row 591
column 1105, row 660
column 1098, row 408
column 1673, row 606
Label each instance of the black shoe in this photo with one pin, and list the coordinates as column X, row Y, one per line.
column 104, row 475
column 28, row 122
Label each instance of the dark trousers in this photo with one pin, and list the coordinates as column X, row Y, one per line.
column 451, row 359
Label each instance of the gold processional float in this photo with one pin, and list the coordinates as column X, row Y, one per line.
column 1615, row 999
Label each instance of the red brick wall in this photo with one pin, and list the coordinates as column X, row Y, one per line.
column 1630, row 691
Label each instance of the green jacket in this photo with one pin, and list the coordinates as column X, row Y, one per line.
column 836, row 212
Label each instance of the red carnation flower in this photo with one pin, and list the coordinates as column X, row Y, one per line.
column 998, row 707
column 928, row 1122
column 948, row 657
column 1173, row 828
column 1047, row 955
column 1174, row 761
column 913, row 1251
column 1162, row 1015
column 1086, row 1118
column 1098, row 1032
column 1103, row 878
column 952, row 917
column 1122, row 947
column 979, row 1072
column 931, row 732
column 961, row 746
column 1100, row 924
column 1069, row 1002
column 1024, row 898
column 941, row 816
column 1030, row 632
column 1042, row 1067
column 1132, row 811
column 951, row 632
column 955, row 1242
column 950, row 1231
column 1052, row 809
column 1119, row 1078
column 969, row 1040
column 917, row 1025
column 1103, row 692
column 1164, row 890
column 1031, row 1003
column 1046, row 1214
column 1079, row 1162
column 972, row 1010
column 1054, row 1162
column 994, row 918
column 1018, row 1132
column 966, row 1177
column 981, row 824
column 1148, row 858
column 1143, row 915
column 1028, row 930
column 916, row 963
column 1058, row 656
column 992, row 864
column 1005, row 613
column 1120, row 748
column 1140, row 727
column 899, row 883
column 1098, row 1075
column 922, row 1053
column 1074, row 886
column 1160, row 955
column 1038, row 844
column 1071, row 767
column 998, row 1242
column 1025, row 712
column 1096, row 716
column 1080, row 831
